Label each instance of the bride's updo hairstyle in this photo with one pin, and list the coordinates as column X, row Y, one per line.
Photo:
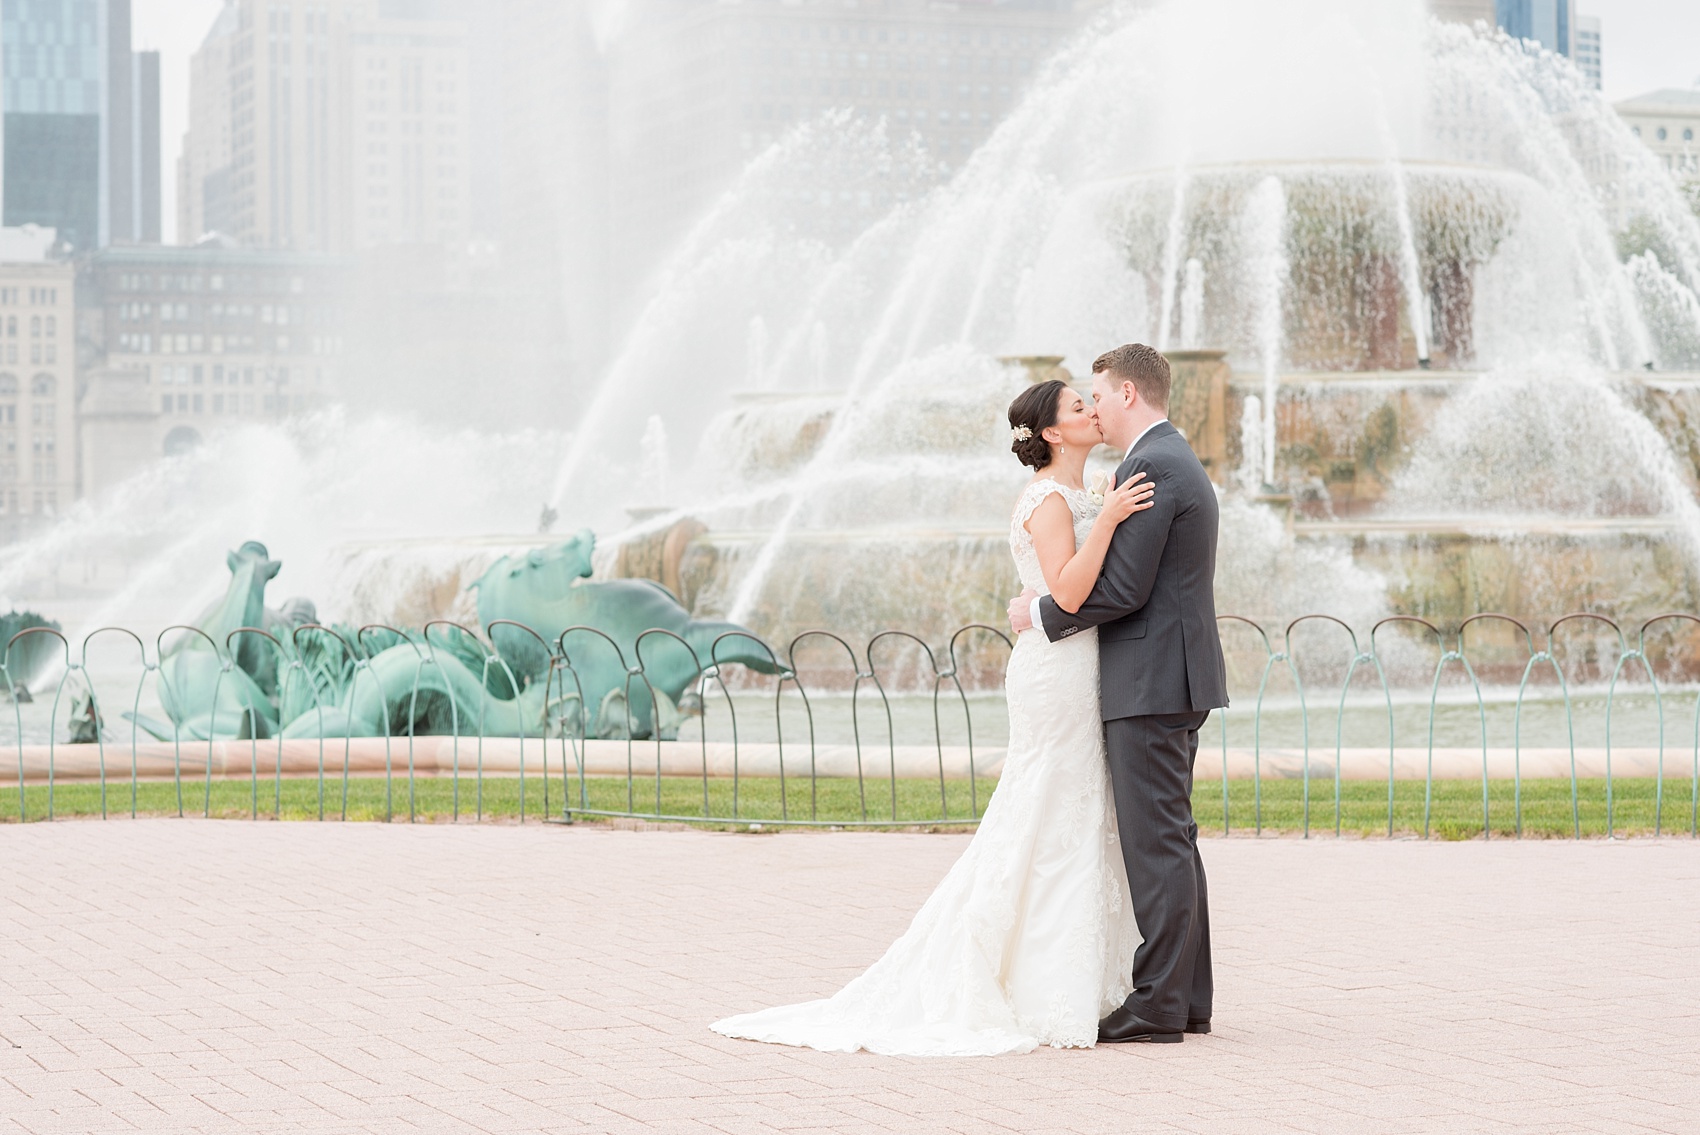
column 1034, row 411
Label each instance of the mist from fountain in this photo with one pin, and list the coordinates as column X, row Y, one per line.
column 1266, row 264
column 1548, row 171
column 655, row 458
column 1554, row 437
column 1192, row 304
column 1136, row 155
column 1410, row 267
column 150, row 554
column 1173, row 240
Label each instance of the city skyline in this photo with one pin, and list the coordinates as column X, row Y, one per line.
column 1647, row 48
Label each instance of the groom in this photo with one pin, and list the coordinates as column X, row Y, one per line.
column 1162, row 673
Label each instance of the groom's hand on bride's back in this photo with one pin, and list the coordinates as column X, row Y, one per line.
column 1021, row 611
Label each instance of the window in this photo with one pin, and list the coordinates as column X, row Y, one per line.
column 1688, row 133
column 1663, row 133
column 42, row 386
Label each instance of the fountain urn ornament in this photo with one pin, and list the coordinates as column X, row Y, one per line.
column 1198, row 406
column 1039, row 368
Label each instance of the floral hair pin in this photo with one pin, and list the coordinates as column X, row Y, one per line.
column 1020, row 433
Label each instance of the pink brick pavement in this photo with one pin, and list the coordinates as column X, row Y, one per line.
column 186, row 976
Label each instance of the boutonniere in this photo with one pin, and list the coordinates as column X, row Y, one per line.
column 1099, row 486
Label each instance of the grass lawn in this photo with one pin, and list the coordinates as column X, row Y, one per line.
column 833, row 800
column 1455, row 811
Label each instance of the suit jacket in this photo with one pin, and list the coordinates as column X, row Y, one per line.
column 1155, row 602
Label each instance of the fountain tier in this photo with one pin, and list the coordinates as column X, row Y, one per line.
column 1377, row 265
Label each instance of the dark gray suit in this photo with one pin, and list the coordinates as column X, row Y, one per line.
column 1162, row 673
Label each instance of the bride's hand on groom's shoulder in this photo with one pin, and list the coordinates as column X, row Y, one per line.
column 1021, row 611
column 1123, row 500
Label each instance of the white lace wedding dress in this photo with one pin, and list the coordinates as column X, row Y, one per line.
column 1029, row 939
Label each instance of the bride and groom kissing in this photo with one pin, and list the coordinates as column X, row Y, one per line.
column 1078, row 913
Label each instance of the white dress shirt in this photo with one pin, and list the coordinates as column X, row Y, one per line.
column 1033, row 607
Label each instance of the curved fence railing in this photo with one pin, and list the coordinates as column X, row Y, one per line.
column 1485, row 728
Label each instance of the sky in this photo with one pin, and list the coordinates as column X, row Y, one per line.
column 1647, row 44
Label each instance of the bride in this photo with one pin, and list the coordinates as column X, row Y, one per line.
column 1029, row 939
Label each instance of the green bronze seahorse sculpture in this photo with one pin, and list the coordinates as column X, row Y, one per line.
column 332, row 682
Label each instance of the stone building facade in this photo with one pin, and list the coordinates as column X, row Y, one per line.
column 1668, row 123
column 180, row 342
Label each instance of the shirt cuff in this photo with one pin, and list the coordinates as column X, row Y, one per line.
column 1033, row 615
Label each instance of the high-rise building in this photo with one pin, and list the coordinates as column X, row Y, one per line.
column 81, row 150
column 1550, row 23
column 328, row 125
column 204, row 165
column 1587, row 55
column 408, row 97
column 147, row 188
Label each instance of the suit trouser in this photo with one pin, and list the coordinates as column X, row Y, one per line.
column 1151, row 762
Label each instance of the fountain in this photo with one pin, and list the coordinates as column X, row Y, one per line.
column 1411, row 277
column 1375, row 285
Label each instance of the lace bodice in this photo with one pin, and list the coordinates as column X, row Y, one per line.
column 1021, row 540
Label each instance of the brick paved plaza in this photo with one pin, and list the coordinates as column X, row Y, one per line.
column 180, row 975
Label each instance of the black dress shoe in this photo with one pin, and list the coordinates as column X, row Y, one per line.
column 1124, row 1026
column 1198, row 1027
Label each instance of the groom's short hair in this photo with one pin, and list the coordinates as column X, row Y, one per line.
column 1143, row 366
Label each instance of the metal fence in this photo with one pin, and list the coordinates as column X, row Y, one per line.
column 880, row 736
